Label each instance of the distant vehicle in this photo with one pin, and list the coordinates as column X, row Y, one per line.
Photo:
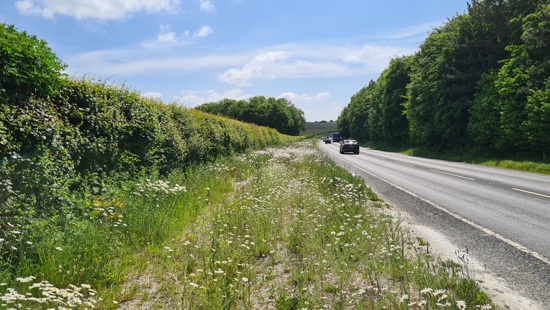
column 327, row 140
column 335, row 136
column 349, row 146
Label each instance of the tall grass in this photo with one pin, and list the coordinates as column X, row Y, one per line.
column 280, row 228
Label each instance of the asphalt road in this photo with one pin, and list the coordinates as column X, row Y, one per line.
column 502, row 217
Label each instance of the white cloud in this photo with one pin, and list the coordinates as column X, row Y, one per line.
column 416, row 30
column 127, row 63
column 193, row 98
column 203, row 32
column 169, row 37
column 165, row 37
column 207, row 6
column 93, row 9
column 294, row 98
column 166, row 34
column 375, row 57
column 152, row 95
column 275, row 62
column 314, row 61
column 251, row 70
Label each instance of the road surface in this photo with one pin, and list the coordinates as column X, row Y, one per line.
column 502, row 217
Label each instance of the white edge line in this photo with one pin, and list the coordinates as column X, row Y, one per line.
column 463, row 219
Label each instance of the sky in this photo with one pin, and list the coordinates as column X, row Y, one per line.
column 315, row 53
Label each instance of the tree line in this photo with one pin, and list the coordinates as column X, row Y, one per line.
column 480, row 81
column 277, row 113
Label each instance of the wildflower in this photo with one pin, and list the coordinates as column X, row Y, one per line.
column 426, row 291
column 244, row 279
column 439, row 292
column 403, row 298
column 25, row 280
column 461, row 304
column 59, row 248
column 193, row 284
column 486, row 307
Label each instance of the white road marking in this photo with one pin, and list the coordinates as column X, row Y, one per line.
column 405, row 164
column 461, row 218
column 452, row 174
column 532, row 193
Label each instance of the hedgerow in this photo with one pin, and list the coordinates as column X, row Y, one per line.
column 68, row 146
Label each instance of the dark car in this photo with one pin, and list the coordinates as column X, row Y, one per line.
column 349, row 146
column 327, row 140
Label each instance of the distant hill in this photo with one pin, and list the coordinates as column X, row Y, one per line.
column 319, row 127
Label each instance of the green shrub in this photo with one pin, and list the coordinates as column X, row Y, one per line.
column 28, row 67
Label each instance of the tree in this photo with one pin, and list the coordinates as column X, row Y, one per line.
column 343, row 122
column 394, row 81
column 277, row 113
column 425, row 90
column 28, row 67
column 484, row 124
column 447, row 69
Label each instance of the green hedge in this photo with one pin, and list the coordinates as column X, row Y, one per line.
column 94, row 131
column 70, row 152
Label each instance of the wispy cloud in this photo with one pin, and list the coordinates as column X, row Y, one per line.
column 127, row 63
column 206, row 6
column 375, row 57
column 203, row 32
column 168, row 38
column 98, row 9
column 305, row 98
column 193, row 98
column 420, row 30
column 314, row 60
column 252, row 69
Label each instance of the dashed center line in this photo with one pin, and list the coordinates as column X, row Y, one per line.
column 532, row 193
column 451, row 174
column 405, row 164
column 487, row 231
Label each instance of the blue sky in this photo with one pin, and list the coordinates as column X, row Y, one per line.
column 316, row 53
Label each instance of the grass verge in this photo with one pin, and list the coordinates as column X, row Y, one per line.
column 292, row 232
column 280, row 228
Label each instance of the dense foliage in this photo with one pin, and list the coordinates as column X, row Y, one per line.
column 27, row 66
column 279, row 113
column 479, row 81
column 64, row 142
